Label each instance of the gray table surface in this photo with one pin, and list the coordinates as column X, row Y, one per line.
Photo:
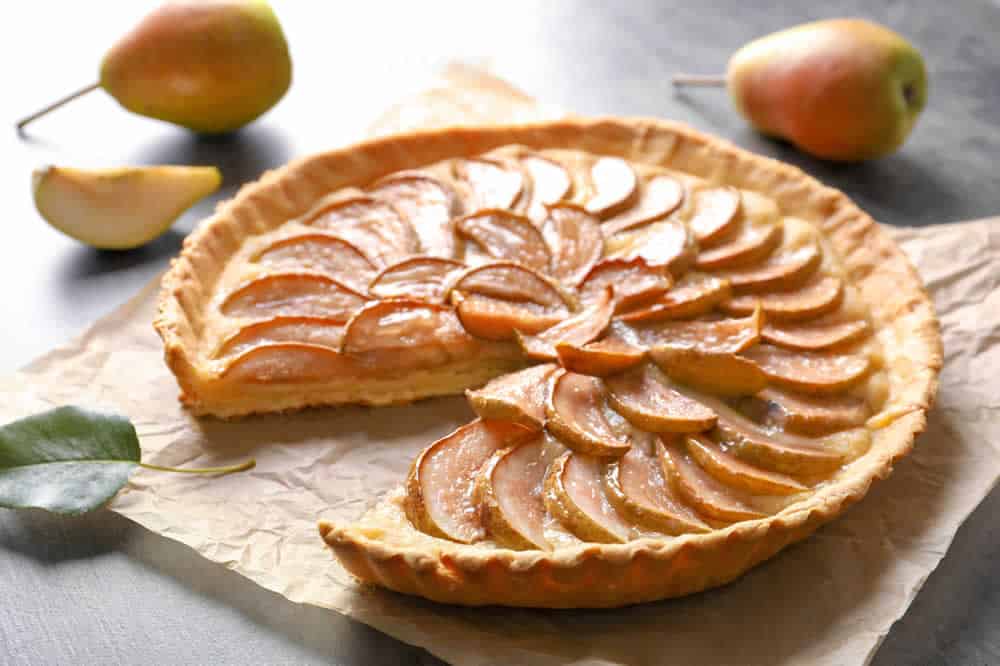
column 101, row 590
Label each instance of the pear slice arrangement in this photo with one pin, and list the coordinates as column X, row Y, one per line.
column 651, row 355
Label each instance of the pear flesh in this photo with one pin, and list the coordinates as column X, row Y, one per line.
column 119, row 208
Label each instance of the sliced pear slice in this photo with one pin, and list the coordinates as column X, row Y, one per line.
column 721, row 336
column 614, row 184
column 440, row 498
column 510, row 490
column 510, row 281
column 658, row 197
column 815, row 335
column 574, row 494
column 634, row 282
column 642, row 397
column 320, row 253
column 575, row 240
column 695, row 294
column 550, row 183
column 733, row 472
column 122, row 208
column 812, row 416
column 411, row 332
column 781, row 272
column 499, row 235
column 293, row 294
column 373, row 226
column 427, row 204
column 494, row 319
column 578, row 414
column 581, row 328
column 810, row 372
column 753, row 245
column 491, row 183
column 697, row 487
column 637, row 488
column 717, row 372
column 421, row 278
column 309, row 330
column 602, row 358
column 811, row 300
column 287, row 363
column 519, row 397
column 667, row 244
column 716, row 212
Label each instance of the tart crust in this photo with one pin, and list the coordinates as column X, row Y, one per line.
column 383, row 549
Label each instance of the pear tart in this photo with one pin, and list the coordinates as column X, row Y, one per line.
column 683, row 356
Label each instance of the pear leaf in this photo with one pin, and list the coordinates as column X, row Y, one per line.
column 66, row 460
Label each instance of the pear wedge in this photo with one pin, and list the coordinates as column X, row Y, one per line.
column 121, row 208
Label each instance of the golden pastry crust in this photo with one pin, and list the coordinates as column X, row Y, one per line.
column 589, row 575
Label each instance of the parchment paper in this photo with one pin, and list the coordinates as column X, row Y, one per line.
column 829, row 600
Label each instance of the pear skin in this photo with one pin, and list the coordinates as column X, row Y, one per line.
column 123, row 208
column 840, row 89
column 208, row 66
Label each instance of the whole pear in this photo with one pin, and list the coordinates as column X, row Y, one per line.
column 211, row 66
column 841, row 89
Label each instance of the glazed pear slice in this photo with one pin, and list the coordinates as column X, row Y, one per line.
column 511, row 281
column 575, row 241
column 602, row 358
column 578, row 414
column 427, row 204
column 722, row 336
column 708, row 495
column 440, row 498
column 722, row 373
column 581, row 328
column 658, row 197
column 373, row 226
column 814, row 416
column 320, row 253
column 309, row 330
column 734, row 472
column 814, row 299
column 667, row 244
column 121, row 208
column 782, row 272
column 518, row 397
column 550, row 184
column 491, row 183
column 293, row 294
column 753, row 245
column 810, row 372
column 495, row 319
column 510, row 490
column 499, row 235
column 815, row 335
column 642, row 397
column 634, row 281
column 637, row 488
column 695, row 294
column 287, row 363
column 716, row 212
column 410, row 332
column 421, row 278
column 614, row 187
column 574, row 494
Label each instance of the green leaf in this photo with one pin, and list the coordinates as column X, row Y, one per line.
column 67, row 460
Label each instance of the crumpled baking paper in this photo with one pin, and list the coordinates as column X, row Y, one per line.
column 828, row 600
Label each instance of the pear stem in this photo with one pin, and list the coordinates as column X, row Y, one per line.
column 243, row 466
column 55, row 105
column 712, row 81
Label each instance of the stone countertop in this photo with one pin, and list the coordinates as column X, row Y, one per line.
column 99, row 589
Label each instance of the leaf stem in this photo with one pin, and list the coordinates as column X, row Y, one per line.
column 702, row 80
column 242, row 467
column 55, row 105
